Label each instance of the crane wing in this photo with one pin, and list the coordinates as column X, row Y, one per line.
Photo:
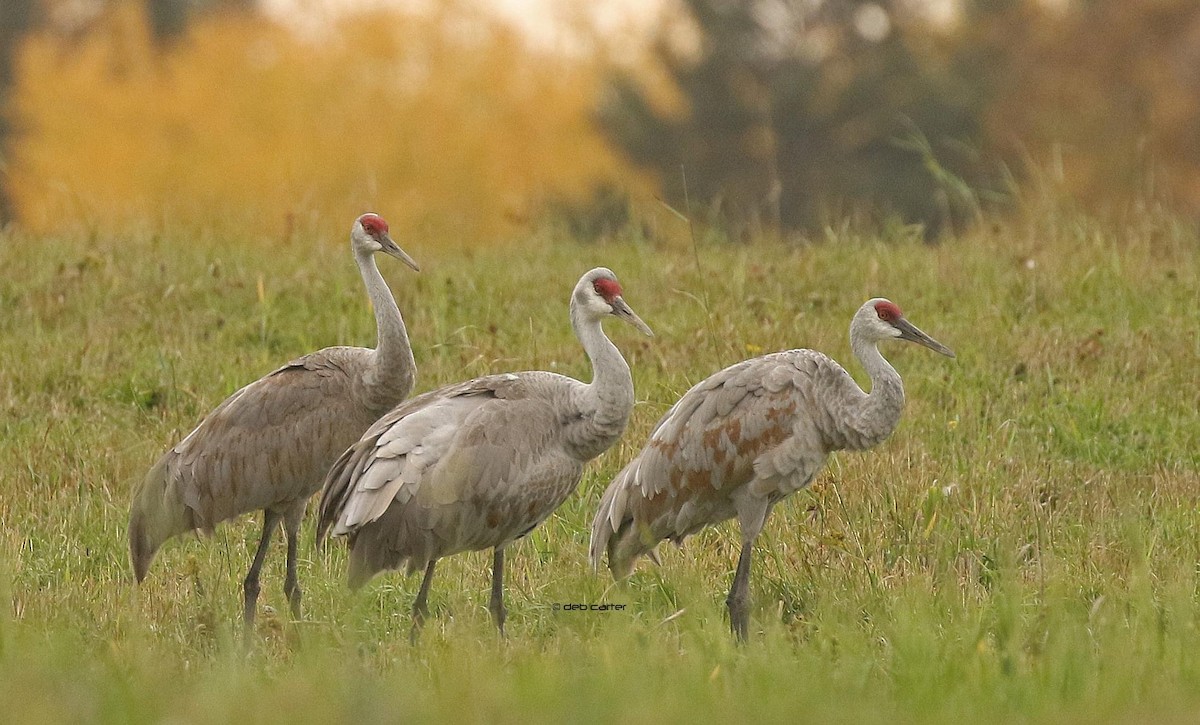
column 265, row 436
column 713, row 435
column 755, row 424
column 479, row 439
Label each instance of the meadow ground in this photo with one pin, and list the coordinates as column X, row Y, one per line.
column 1024, row 546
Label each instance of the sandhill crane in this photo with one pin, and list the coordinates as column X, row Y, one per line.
column 270, row 444
column 745, row 438
column 479, row 464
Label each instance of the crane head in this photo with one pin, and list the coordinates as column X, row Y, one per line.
column 882, row 319
column 370, row 234
column 599, row 293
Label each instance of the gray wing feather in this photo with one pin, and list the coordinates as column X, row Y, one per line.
column 269, row 442
column 474, row 440
column 464, row 467
column 399, row 459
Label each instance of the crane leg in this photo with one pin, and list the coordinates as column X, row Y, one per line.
column 250, row 586
column 496, row 606
column 752, row 514
column 420, row 608
column 291, row 583
column 738, row 600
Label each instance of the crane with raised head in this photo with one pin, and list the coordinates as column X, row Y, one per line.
column 270, row 444
column 480, row 464
column 746, row 437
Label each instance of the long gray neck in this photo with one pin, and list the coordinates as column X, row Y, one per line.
column 604, row 404
column 393, row 369
column 874, row 416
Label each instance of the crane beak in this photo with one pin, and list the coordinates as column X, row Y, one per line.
column 912, row 333
column 390, row 247
column 625, row 312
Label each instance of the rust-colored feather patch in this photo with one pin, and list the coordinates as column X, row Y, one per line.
column 608, row 288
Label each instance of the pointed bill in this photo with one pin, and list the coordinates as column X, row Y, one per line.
column 912, row 333
column 625, row 312
column 390, row 247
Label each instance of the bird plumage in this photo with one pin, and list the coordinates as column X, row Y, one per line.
column 713, row 440
column 294, row 421
column 480, row 463
column 743, row 439
column 268, row 446
column 468, row 467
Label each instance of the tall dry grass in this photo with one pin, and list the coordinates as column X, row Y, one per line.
column 1023, row 547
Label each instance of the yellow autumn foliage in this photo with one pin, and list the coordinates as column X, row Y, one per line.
column 448, row 123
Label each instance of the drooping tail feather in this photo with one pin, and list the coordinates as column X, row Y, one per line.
column 335, row 493
column 336, row 489
column 602, row 530
column 156, row 514
column 373, row 542
column 613, row 526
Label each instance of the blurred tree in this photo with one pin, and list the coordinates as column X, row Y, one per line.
column 168, row 19
column 720, row 145
column 16, row 18
column 788, row 110
column 1105, row 91
column 794, row 108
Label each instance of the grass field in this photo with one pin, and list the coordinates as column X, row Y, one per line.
column 1024, row 546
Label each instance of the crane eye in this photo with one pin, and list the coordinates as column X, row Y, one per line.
column 888, row 312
